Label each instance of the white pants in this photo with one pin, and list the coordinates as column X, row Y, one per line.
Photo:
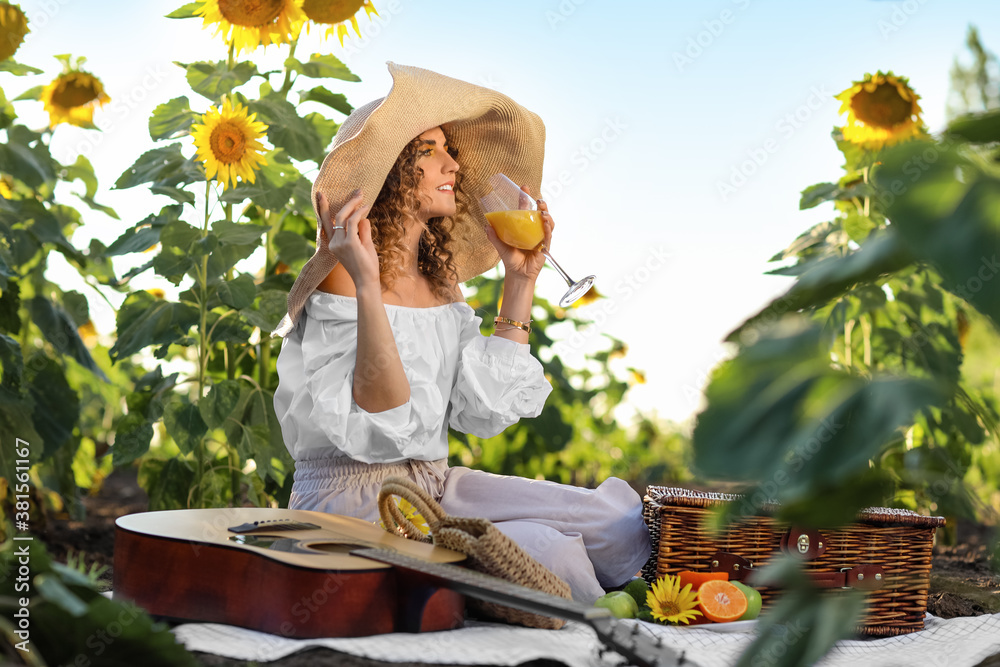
column 592, row 538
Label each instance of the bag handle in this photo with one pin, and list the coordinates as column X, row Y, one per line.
column 422, row 501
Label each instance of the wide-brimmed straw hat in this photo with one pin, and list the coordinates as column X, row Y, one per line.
column 493, row 134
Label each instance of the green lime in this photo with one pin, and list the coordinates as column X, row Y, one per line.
column 621, row 604
column 753, row 601
column 637, row 588
column 646, row 615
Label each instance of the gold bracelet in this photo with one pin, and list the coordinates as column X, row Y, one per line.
column 523, row 326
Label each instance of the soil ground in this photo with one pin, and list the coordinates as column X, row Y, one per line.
column 963, row 582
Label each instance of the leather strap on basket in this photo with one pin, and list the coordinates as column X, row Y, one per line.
column 862, row 577
column 805, row 543
column 393, row 518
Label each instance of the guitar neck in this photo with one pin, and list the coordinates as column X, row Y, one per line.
column 640, row 650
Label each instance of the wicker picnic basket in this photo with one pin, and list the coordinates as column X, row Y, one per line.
column 886, row 552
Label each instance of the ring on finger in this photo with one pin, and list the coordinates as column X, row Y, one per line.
column 336, row 227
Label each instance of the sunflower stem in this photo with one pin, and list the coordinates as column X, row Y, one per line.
column 231, row 59
column 287, row 83
column 203, row 339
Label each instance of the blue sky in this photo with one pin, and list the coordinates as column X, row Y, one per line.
column 652, row 109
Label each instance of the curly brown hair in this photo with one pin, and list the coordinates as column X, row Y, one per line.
column 397, row 202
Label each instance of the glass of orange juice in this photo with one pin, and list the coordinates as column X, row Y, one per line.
column 515, row 217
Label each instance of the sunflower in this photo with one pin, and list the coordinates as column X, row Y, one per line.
column 227, row 142
column 249, row 23
column 670, row 604
column 13, row 28
column 336, row 14
column 6, row 186
column 72, row 97
column 882, row 110
column 410, row 514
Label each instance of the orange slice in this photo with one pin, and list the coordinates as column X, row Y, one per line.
column 721, row 602
column 696, row 579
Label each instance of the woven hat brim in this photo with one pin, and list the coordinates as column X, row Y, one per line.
column 493, row 134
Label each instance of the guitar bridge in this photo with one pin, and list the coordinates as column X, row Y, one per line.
column 272, row 525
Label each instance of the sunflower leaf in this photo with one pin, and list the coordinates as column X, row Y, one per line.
column 980, row 128
column 185, row 12
column 59, row 329
column 237, row 232
column 144, row 320
column 31, row 164
column 213, row 80
column 171, row 119
column 145, row 234
column 17, row 69
column 336, row 101
column 322, row 67
column 31, row 94
column 155, row 165
column 238, row 293
column 299, row 137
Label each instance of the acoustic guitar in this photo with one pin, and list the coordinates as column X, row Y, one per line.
column 308, row 574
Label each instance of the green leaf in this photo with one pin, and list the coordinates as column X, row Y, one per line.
column 178, row 234
column 61, row 331
column 169, row 483
column 184, row 423
column 171, row 119
column 270, row 308
column 816, row 194
column 237, row 232
column 132, row 437
column 981, row 128
column 228, row 329
column 322, row 67
column 84, row 171
column 828, row 278
column 50, row 587
column 31, row 94
column 274, row 186
column 165, row 165
column 220, row 402
column 17, row 69
column 226, row 256
column 145, row 234
column 29, row 163
column 858, row 227
column 173, row 264
column 187, row 11
column 237, row 293
column 213, row 80
column 144, row 320
column 292, row 247
column 325, row 128
column 56, row 404
column 285, row 129
column 947, row 209
column 336, row 101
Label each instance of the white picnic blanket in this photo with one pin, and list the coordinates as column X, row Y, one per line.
column 943, row 642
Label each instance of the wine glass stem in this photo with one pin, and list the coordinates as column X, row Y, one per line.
column 555, row 265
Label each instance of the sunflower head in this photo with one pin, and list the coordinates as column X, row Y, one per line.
column 247, row 24
column 669, row 604
column 6, row 186
column 881, row 110
column 334, row 14
column 228, row 143
column 73, row 95
column 13, row 28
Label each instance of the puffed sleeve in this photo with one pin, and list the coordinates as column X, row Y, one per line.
column 315, row 400
column 498, row 383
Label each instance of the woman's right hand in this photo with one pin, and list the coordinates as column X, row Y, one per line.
column 350, row 238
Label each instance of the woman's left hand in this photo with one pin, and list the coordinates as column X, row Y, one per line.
column 524, row 263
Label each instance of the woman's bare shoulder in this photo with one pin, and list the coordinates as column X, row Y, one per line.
column 338, row 281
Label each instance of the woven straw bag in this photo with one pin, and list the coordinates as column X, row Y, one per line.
column 489, row 550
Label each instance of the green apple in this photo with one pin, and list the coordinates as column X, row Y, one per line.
column 621, row 604
column 753, row 601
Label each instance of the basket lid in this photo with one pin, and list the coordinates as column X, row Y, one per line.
column 677, row 496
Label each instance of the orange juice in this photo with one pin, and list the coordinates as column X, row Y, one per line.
column 521, row 229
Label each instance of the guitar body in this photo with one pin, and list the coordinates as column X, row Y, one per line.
column 291, row 574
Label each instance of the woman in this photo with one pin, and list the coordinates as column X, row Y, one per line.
column 383, row 355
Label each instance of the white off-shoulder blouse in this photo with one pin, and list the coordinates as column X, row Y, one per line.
column 476, row 384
